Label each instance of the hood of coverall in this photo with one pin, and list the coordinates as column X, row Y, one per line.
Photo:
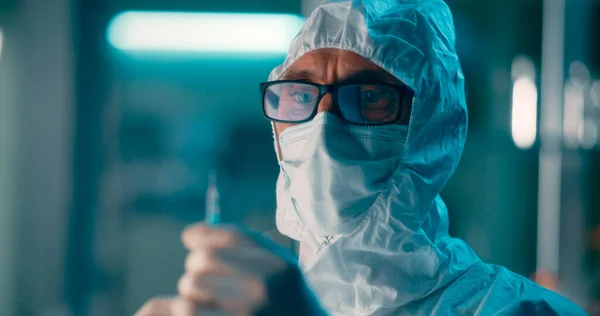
column 404, row 235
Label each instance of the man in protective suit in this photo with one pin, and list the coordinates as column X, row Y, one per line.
column 369, row 117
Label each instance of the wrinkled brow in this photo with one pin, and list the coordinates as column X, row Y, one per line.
column 375, row 75
column 298, row 74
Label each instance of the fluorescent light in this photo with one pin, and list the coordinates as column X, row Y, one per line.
column 524, row 112
column 203, row 32
column 524, row 102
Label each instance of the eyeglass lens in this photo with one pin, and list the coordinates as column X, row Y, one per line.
column 360, row 103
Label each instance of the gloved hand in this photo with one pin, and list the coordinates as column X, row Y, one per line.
column 232, row 272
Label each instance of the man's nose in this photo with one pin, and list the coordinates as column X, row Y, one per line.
column 327, row 105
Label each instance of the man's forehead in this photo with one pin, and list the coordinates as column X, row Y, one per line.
column 319, row 74
column 317, row 66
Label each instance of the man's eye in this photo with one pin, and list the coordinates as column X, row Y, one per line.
column 303, row 97
column 372, row 96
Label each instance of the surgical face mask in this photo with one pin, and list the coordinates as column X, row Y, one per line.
column 333, row 172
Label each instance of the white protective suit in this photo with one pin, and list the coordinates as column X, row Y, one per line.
column 396, row 257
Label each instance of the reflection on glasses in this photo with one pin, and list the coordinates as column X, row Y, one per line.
column 292, row 101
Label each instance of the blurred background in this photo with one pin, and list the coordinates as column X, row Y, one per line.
column 110, row 122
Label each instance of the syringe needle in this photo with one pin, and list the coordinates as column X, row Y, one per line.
column 213, row 209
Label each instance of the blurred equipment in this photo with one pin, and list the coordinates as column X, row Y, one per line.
column 550, row 136
column 568, row 134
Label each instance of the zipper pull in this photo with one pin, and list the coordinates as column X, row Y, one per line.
column 326, row 242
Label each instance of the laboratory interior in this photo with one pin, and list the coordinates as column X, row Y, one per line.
column 112, row 119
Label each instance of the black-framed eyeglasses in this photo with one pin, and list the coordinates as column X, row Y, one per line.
column 296, row 101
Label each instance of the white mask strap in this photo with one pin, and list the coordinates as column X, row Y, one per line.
column 277, row 146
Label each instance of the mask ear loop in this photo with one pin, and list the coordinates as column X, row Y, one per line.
column 277, row 146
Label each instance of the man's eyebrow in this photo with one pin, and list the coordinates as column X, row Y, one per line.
column 371, row 75
column 293, row 74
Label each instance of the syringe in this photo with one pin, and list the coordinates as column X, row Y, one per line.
column 213, row 207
